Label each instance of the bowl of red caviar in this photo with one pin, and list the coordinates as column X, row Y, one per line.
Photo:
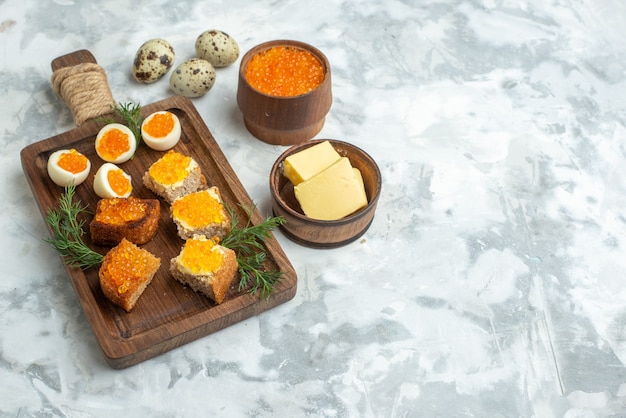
column 284, row 91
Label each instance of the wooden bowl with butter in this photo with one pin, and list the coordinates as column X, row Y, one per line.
column 284, row 91
column 316, row 190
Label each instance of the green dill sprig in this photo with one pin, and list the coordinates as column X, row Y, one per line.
column 263, row 281
column 67, row 230
column 247, row 242
column 131, row 113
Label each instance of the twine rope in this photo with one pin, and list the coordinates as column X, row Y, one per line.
column 85, row 89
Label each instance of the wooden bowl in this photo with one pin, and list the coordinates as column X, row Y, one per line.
column 318, row 233
column 284, row 120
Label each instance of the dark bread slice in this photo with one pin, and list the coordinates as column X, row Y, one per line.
column 126, row 272
column 132, row 218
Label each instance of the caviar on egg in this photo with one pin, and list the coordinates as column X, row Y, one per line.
column 111, row 181
column 68, row 166
column 115, row 143
column 161, row 130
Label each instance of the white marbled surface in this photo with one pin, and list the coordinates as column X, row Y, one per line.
column 492, row 281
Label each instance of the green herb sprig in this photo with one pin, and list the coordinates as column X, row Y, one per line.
column 247, row 242
column 67, row 230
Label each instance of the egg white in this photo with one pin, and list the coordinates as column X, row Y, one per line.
column 132, row 142
column 101, row 184
column 62, row 177
column 162, row 143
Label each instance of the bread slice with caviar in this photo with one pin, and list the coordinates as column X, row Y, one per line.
column 132, row 218
column 174, row 175
column 201, row 213
column 126, row 272
column 206, row 267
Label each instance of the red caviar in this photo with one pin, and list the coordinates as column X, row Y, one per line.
column 284, row 71
column 73, row 161
column 159, row 125
column 200, row 255
column 127, row 265
column 119, row 182
column 199, row 209
column 118, row 211
column 171, row 168
column 113, row 143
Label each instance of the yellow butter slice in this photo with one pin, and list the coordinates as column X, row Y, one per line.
column 305, row 164
column 333, row 193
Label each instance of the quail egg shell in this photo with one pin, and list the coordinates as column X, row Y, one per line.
column 217, row 47
column 111, row 181
column 153, row 60
column 115, row 143
column 161, row 130
column 193, row 78
column 68, row 166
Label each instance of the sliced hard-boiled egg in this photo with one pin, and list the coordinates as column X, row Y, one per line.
column 111, row 181
column 68, row 166
column 161, row 130
column 115, row 143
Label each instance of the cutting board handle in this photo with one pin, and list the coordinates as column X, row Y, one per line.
column 83, row 85
column 73, row 58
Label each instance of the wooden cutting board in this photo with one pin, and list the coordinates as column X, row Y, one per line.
column 168, row 315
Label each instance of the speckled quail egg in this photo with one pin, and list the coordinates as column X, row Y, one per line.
column 111, row 181
column 217, row 47
column 153, row 60
column 115, row 143
column 161, row 130
column 68, row 166
column 193, row 78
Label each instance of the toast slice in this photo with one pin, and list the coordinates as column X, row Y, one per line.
column 201, row 213
column 205, row 266
column 132, row 218
column 174, row 175
column 126, row 272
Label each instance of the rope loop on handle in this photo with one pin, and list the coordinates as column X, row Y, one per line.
column 85, row 89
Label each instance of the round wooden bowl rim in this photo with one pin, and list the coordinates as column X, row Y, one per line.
column 320, row 222
column 283, row 42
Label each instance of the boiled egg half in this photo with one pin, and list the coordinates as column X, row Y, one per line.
column 111, row 181
column 161, row 130
column 115, row 143
column 68, row 166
